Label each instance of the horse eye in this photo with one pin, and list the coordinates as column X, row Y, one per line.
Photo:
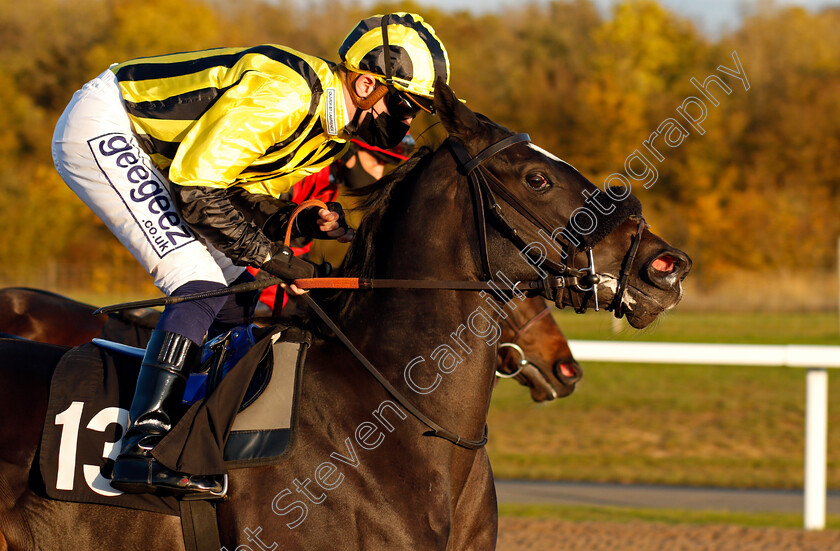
column 536, row 181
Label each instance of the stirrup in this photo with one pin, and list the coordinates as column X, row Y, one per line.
column 209, row 496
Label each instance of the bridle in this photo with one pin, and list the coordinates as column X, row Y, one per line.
column 518, row 332
column 626, row 266
column 580, row 284
column 483, row 183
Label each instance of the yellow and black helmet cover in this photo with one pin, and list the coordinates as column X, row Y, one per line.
column 413, row 59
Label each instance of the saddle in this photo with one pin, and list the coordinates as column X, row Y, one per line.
column 240, row 412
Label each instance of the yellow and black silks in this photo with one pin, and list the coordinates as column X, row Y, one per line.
column 261, row 118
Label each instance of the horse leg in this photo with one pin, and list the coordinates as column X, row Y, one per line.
column 25, row 370
column 475, row 524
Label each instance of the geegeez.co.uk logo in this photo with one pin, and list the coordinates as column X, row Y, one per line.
column 142, row 191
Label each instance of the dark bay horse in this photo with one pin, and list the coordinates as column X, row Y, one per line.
column 364, row 474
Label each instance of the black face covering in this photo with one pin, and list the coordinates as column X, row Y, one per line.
column 383, row 131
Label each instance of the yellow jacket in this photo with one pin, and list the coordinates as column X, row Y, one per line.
column 261, row 118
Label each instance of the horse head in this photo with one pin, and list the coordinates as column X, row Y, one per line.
column 535, row 352
column 546, row 221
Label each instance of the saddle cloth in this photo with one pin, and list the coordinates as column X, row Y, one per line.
column 247, row 420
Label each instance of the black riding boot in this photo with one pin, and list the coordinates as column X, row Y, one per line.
column 156, row 406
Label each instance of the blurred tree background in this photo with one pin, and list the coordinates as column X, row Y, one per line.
column 757, row 193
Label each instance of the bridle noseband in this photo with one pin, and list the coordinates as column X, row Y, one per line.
column 626, row 267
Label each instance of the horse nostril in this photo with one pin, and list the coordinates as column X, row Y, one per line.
column 669, row 267
column 567, row 371
column 664, row 264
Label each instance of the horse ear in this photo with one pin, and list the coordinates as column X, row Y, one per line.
column 456, row 117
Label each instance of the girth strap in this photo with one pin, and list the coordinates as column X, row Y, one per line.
column 199, row 525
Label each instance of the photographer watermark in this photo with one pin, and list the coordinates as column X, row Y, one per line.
column 294, row 502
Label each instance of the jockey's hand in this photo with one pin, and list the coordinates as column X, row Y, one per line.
column 284, row 264
column 328, row 223
column 333, row 223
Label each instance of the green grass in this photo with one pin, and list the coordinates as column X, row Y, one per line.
column 586, row 513
column 689, row 425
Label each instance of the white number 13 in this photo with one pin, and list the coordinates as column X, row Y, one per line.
column 70, row 419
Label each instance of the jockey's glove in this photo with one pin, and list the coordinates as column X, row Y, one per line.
column 306, row 223
column 284, row 264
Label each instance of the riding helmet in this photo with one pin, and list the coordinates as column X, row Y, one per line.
column 413, row 59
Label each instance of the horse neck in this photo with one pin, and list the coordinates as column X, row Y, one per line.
column 438, row 347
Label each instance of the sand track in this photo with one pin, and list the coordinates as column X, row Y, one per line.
column 527, row 534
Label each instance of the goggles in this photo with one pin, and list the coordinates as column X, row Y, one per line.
column 402, row 105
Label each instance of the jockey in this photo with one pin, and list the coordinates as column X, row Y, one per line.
column 184, row 158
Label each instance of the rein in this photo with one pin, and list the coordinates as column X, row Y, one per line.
column 483, row 183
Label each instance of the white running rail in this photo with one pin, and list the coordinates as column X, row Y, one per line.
column 816, row 359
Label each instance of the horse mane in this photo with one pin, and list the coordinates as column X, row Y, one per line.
column 360, row 259
column 376, row 199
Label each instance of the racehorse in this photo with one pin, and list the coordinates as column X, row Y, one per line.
column 44, row 316
column 363, row 473
column 534, row 350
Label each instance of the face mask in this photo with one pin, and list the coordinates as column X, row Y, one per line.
column 383, row 131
